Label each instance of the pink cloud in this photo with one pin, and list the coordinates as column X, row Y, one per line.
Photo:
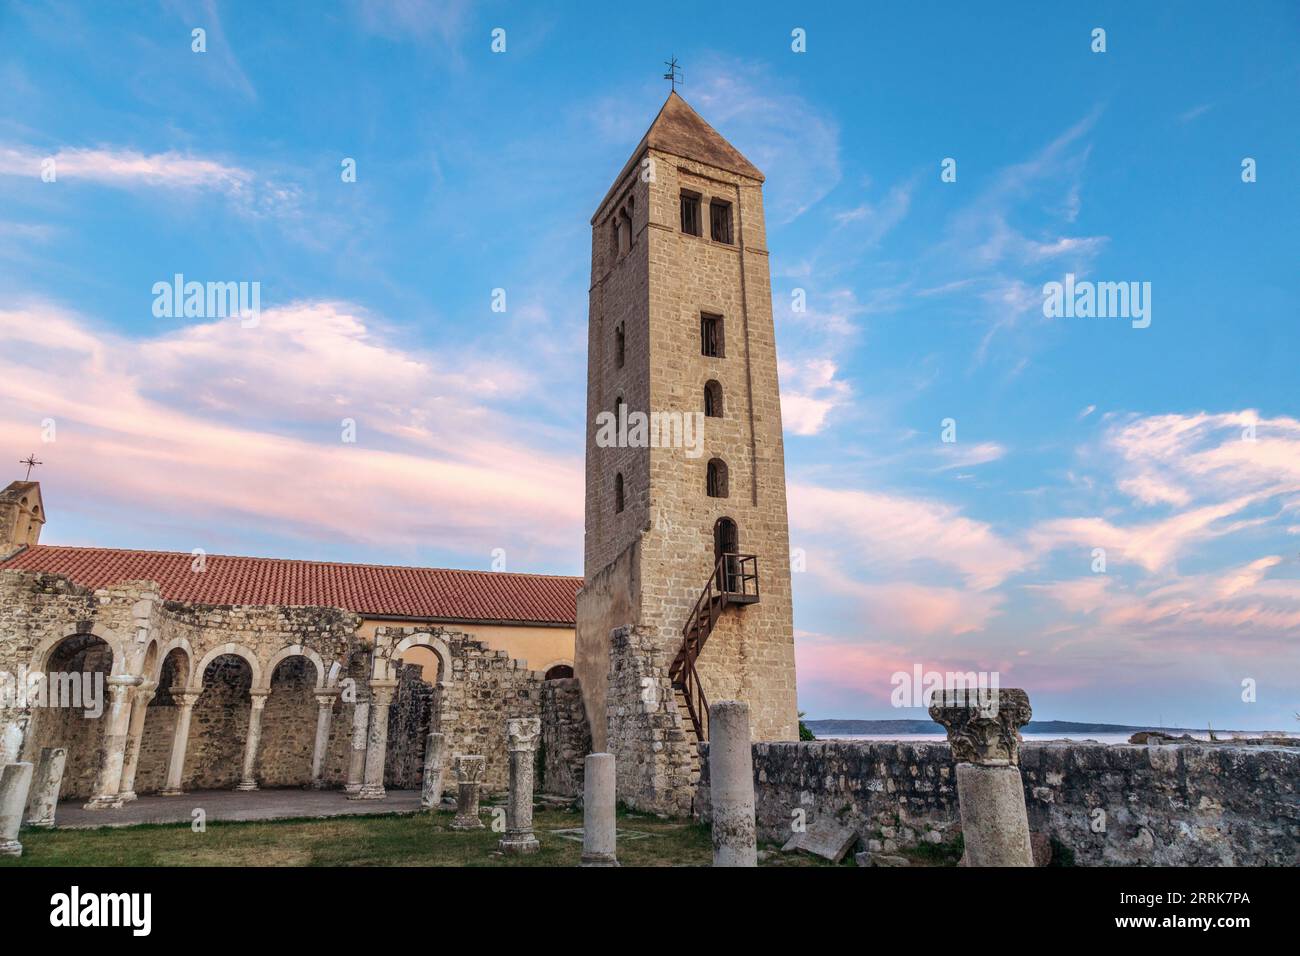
column 217, row 423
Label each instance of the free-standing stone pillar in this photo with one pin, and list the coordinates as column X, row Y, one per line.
column 180, row 741
column 248, row 779
column 15, row 779
column 381, row 697
column 469, row 774
column 983, row 729
column 47, row 777
column 731, row 784
column 357, row 756
column 599, row 826
column 522, row 735
column 140, row 698
column 435, row 750
column 113, row 756
column 324, row 715
column 13, row 733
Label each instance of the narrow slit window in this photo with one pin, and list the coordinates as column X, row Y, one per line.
column 620, row 345
column 618, row 493
column 716, row 479
column 720, row 221
column 711, row 335
column 713, row 400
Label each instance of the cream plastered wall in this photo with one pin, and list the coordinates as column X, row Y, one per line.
column 541, row 647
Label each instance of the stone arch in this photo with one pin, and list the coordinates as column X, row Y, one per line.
column 176, row 644
column 45, row 649
column 222, row 716
column 196, row 675
column 84, row 661
column 151, row 660
column 427, row 640
column 297, row 650
column 563, row 664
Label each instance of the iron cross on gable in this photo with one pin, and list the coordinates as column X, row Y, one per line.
column 674, row 74
column 31, row 462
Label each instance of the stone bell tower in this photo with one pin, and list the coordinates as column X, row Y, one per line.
column 687, row 566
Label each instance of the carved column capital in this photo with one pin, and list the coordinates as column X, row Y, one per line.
column 259, row 696
column 983, row 725
column 326, row 700
column 185, row 698
column 381, row 692
column 469, row 768
column 523, row 733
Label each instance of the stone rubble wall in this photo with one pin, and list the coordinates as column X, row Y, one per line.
column 1164, row 805
column 566, row 737
column 644, row 730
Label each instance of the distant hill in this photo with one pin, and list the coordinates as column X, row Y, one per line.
column 830, row 728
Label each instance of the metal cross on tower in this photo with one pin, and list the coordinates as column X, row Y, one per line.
column 31, row 462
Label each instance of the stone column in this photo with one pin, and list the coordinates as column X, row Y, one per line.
column 435, row 749
column 357, row 755
column 381, row 698
column 469, row 774
column 140, row 698
column 47, row 777
column 15, row 779
column 983, row 729
column 522, row 735
column 180, row 741
column 13, row 733
column 113, row 756
column 731, row 784
column 324, row 715
column 248, row 779
column 599, row 826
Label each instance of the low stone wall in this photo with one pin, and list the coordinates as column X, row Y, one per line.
column 1163, row 805
column 566, row 737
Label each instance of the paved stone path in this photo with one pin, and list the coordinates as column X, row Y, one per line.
column 234, row 805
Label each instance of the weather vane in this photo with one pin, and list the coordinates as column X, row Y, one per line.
column 31, row 462
column 674, row 73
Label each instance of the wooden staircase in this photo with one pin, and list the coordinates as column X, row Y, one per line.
column 734, row 581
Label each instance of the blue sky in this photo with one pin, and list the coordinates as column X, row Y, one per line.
column 478, row 171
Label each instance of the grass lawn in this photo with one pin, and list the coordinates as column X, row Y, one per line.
column 420, row 839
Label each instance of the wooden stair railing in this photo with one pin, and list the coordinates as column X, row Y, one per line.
column 734, row 581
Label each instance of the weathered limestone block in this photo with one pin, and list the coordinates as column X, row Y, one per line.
column 43, row 799
column 469, row 775
column 984, row 730
column 731, row 769
column 599, row 824
column 15, row 779
column 522, row 735
column 435, row 749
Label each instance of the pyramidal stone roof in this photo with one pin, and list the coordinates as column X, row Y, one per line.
column 680, row 131
column 426, row 594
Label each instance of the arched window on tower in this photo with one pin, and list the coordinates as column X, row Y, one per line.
column 713, row 399
column 618, row 492
column 624, row 232
column 716, row 478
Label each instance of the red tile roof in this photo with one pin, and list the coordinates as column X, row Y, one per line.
column 367, row 589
